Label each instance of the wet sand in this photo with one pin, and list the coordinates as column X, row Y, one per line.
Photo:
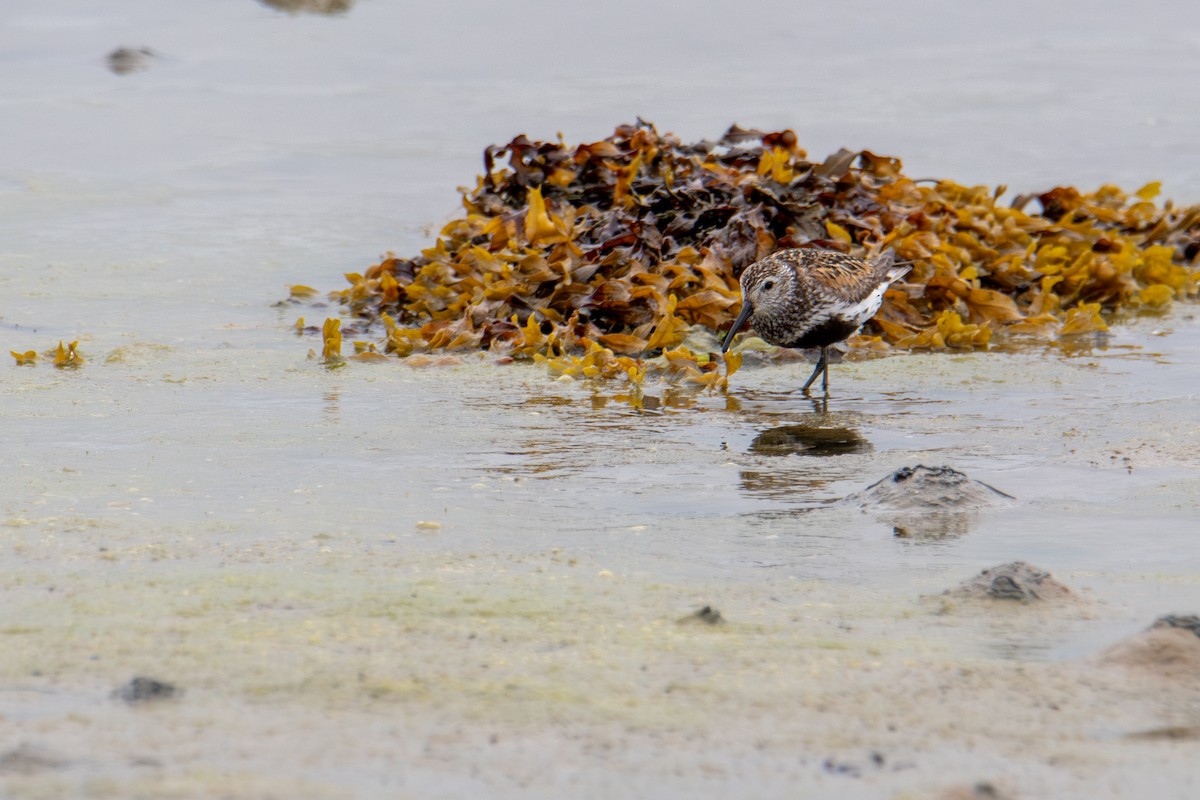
column 453, row 676
column 468, row 579
column 491, row 604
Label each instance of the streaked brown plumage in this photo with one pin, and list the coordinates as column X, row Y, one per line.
column 813, row 298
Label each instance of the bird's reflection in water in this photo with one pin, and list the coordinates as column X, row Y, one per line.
column 817, row 435
column 809, row 440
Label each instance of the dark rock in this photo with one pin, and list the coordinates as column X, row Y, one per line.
column 125, row 60
column 144, row 690
column 1191, row 622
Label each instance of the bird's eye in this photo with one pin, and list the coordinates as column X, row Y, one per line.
column 768, row 285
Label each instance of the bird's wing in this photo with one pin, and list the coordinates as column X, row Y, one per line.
column 852, row 278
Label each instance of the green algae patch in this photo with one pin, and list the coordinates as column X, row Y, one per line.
column 618, row 257
column 516, row 644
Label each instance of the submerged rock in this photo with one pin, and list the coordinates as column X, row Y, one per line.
column 141, row 689
column 1016, row 580
column 125, row 60
column 1191, row 622
column 1170, row 648
column 928, row 502
column 928, row 488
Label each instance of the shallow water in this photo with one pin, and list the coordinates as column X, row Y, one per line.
column 203, row 500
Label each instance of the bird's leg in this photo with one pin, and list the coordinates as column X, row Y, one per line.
column 825, row 378
column 821, row 365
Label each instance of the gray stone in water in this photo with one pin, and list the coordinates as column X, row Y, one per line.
column 928, row 502
column 1190, row 622
column 929, row 488
column 1169, row 648
column 125, row 60
column 1013, row 581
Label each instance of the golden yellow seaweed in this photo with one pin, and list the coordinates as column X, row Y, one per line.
column 331, row 332
column 733, row 362
column 68, row 356
column 601, row 260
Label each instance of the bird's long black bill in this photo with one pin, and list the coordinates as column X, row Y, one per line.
column 737, row 325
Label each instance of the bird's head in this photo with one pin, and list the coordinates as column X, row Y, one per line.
column 768, row 287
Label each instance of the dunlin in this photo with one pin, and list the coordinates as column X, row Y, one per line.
column 813, row 298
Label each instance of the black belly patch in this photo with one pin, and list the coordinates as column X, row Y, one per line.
column 830, row 331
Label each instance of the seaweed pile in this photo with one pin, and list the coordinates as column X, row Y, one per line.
column 622, row 255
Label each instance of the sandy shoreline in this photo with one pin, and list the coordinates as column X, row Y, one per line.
column 500, row 625
column 446, row 675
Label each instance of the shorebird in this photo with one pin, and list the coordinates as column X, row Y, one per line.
column 813, row 298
